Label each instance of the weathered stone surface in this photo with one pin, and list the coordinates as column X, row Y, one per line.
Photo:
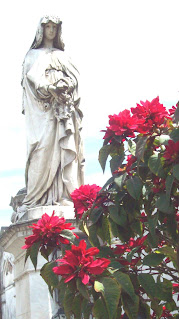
column 51, row 104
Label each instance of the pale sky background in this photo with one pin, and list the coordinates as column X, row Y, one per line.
column 126, row 51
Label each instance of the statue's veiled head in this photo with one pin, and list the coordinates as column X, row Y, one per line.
column 58, row 42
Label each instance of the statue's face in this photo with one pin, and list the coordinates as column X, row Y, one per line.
column 50, row 30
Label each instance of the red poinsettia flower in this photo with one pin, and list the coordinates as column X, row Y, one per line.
column 84, row 197
column 150, row 115
column 79, row 263
column 47, row 231
column 122, row 125
column 159, row 184
column 132, row 243
column 172, row 152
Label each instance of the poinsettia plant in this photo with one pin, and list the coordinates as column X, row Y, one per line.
column 127, row 267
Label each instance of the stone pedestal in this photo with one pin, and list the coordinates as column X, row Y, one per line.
column 33, row 300
column 62, row 211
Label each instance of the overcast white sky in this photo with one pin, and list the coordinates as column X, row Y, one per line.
column 126, row 51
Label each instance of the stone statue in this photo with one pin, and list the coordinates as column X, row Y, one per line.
column 51, row 101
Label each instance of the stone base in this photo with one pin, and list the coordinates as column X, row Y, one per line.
column 35, row 213
column 32, row 296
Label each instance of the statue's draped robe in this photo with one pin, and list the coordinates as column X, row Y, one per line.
column 54, row 147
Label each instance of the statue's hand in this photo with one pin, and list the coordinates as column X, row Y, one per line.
column 60, row 93
column 62, row 86
column 53, row 91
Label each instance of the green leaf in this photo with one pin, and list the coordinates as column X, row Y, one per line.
column 176, row 171
column 144, row 311
column 109, row 181
column 100, row 310
column 27, row 254
column 46, row 251
column 137, row 227
column 93, row 235
column 104, row 231
column 116, row 162
column 118, row 215
column 140, row 147
column 163, row 204
column 95, row 214
column 134, row 187
column 155, row 165
column 105, row 252
column 169, row 252
column 111, row 294
column 68, row 302
column 119, row 181
column 34, row 253
column 132, row 252
column 152, row 241
column 48, row 275
column 169, row 184
column 164, row 290
column 82, row 289
column 125, row 283
column 171, row 305
column 103, row 155
column 148, row 283
column 153, row 259
column 76, row 306
column 131, row 306
column 175, row 134
column 86, row 309
column 132, row 147
column 61, row 289
column 72, row 286
column 157, row 308
column 114, row 228
column 172, row 227
column 176, row 114
column 153, row 220
column 68, row 234
column 115, row 264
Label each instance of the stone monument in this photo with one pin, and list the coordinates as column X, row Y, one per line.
column 54, row 167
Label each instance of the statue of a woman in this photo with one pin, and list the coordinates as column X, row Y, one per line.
column 53, row 119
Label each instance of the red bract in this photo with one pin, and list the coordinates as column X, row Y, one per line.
column 47, row 231
column 130, row 160
column 120, row 249
column 79, row 263
column 159, row 184
column 84, row 197
column 172, row 152
column 132, row 264
column 172, row 110
column 122, row 125
column 139, row 242
column 143, row 218
column 150, row 115
column 175, row 287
